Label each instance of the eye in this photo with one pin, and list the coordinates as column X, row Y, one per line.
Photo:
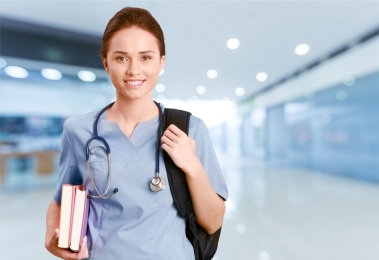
column 121, row 58
column 146, row 58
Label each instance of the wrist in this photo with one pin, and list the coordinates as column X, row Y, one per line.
column 193, row 168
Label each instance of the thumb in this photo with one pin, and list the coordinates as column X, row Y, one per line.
column 56, row 233
column 54, row 239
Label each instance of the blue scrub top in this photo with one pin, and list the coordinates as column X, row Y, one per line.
column 136, row 223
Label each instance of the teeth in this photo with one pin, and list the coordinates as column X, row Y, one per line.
column 134, row 83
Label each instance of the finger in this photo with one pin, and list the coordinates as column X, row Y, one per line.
column 167, row 149
column 176, row 130
column 171, row 135
column 83, row 249
column 55, row 237
column 167, row 141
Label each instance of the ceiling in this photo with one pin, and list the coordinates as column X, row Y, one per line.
column 196, row 33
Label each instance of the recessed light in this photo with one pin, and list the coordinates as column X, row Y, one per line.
column 261, row 76
column 264, row 256
column 325, row 119
column 240, row 91
column 162, row 71
column 302, row 49
column 342, row 95
column 225, row 98
column 212, row 74
column 201, row 89
column 51, row 74
column 161, row 96
column 349, row 81
column 16, row 72
column 309, row 94
column 160, row 88
column 3, row 63
column 87, row 76
column 233, row 43
column 241, row 228
column 194, row 98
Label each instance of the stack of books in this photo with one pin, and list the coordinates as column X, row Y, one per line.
column 74, row 217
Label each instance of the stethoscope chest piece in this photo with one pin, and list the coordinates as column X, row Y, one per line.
column 157, row 183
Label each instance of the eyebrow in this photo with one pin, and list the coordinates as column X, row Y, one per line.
column 141, row 52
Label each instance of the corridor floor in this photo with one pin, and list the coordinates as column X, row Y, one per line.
column 273, row 213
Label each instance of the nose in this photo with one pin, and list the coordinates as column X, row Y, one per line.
column 133, row 68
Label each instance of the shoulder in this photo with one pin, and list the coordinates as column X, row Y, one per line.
column 196, row 127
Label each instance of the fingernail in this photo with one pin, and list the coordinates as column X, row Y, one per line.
column 85, row 239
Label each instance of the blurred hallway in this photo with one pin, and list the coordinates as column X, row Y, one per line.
column 287, row 89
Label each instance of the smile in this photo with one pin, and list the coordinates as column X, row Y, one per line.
column 134, row 83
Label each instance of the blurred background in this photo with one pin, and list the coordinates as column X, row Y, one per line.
column 289, row 92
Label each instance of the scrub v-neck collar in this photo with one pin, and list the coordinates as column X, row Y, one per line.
column 139, row 131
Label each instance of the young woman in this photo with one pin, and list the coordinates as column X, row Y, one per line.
column 137, row 222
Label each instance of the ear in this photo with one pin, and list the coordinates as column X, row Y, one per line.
column 105, row 63
column 161, row 63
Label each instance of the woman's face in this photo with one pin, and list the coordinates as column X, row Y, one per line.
column 133, row 62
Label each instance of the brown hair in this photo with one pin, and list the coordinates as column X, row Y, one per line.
column 128, row 17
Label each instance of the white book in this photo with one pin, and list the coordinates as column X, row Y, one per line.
column 65, row 216
column 77, row 220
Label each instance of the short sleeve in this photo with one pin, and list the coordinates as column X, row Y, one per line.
column 68, row 167
column 207, row 156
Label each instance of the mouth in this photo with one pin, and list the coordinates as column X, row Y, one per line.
column 134, row 83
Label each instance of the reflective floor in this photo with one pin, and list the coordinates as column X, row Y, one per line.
column 273, row 213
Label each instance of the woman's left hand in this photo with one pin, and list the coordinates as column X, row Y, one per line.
column 180, row 147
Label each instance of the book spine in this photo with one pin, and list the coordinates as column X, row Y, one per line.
column 72, row 211
column 85, row 218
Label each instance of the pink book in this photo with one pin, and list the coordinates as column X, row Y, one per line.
column 79, row 218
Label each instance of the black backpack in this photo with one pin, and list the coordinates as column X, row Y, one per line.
column 204, row 245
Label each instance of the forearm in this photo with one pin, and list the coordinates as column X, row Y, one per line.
column 52, row 220
column 208, row 206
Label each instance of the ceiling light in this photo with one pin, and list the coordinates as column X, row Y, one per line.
column 225, row 98
column 233, row 43
column 349, row 81
column 309, row 94
column 161, row 73
column 161, row 96
column 240, row 91
column 86, row 75
column 201, row 89
column 16, row 72
column 51, row 74
column 3, row 63
column 212, row 74
column 194, row 98
column 342, row 95
column 264, row 256
column 261, row 76
column 160, row 88
column 325, row 119
column 241, row 228
column 302, row 49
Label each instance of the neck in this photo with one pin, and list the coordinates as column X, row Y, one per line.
column 132, row 111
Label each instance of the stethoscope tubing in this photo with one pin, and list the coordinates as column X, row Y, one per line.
column 157, row 185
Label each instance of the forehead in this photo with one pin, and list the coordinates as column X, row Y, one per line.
column 133, row 39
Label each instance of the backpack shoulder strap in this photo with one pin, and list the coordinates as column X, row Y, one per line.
column 176, row 177
column 204, row 244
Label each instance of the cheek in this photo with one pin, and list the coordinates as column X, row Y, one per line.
column 152, row 70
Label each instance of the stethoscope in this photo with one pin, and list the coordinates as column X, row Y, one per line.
column 157, row 183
